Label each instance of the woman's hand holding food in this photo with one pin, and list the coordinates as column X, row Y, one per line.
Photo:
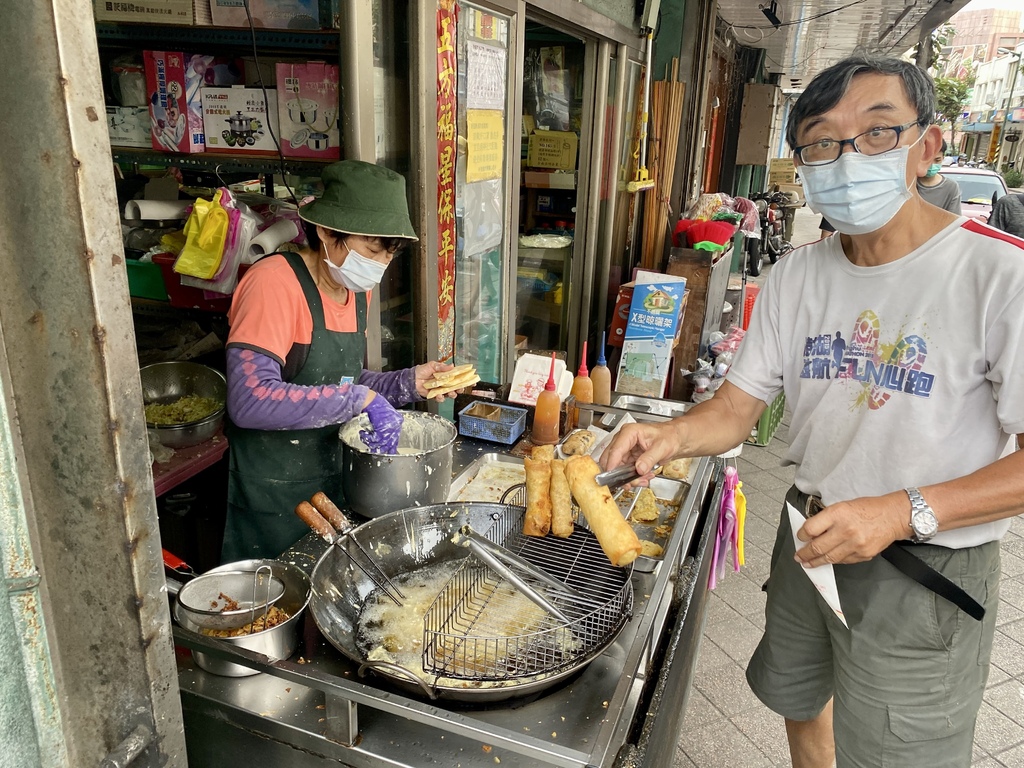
column 386, row 423
column 425, row 373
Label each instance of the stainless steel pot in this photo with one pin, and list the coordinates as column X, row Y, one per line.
column 302, row 110
column 239, row 123
column 401, row 542
column 318, row 141
column 421, row 473
column 278, row 642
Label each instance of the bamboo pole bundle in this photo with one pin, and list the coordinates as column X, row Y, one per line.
column 666, row 113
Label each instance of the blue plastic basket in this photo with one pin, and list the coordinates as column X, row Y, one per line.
column 506, row 429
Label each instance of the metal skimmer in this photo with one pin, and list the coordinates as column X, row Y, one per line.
column 482, row 628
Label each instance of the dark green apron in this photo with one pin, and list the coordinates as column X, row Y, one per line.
column 270, row 472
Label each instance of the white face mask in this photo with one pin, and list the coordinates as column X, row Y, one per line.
column 859, row 193
column 357, row 273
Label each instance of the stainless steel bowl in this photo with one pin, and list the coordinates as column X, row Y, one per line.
column 167, row 382
column 278, row 642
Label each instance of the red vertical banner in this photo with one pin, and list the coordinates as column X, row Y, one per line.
column 447, row 23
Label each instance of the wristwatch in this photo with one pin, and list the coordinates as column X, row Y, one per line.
column 923, row 522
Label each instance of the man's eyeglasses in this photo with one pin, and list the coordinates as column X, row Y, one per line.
column 873, row 142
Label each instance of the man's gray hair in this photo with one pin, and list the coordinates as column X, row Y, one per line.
column 829, row 87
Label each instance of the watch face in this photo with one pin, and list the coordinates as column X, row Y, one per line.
column 925, row 524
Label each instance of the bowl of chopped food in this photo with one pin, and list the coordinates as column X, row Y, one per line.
column 184, row 402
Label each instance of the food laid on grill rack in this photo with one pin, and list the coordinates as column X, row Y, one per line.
column 561, row 501
column 617, row 538
column 491, row 482
column 537, row 521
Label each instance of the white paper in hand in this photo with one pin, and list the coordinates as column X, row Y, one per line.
column 823, row 576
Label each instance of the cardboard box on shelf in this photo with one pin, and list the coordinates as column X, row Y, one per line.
column 549, row 179
column 177, row 12
column 128, row 127
column 552, row 149
column 271, row 14
column 654, row 315
column 781, row 170
column 174, row 81
column 308, row 94
column 238, row 119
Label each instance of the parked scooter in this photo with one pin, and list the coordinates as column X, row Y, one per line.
column 772, row 241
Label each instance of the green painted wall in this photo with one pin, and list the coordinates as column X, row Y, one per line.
column 668, row 37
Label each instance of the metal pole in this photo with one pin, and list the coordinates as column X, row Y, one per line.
column 1009, row 107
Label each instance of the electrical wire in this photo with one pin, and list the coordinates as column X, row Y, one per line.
column 796, row 21
column 266, row 100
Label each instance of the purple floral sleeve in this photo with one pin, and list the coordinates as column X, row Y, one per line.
column 259, row 399
column 397, row 387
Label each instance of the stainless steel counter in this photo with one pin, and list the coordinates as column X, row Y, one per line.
column 315, row 709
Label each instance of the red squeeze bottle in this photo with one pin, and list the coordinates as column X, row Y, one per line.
column 546, row 415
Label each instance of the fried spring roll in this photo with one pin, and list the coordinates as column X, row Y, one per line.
column 543, row 453
column 561, row 501
column 616, row 537
column 537, row 521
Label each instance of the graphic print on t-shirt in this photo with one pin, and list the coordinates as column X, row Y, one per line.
column 883, row 369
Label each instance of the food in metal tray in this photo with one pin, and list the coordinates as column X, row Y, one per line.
column 184, row 410
column 645, row 510
column 677, row 469
column 614, row 534
column 579, row 442
column 650, row 549
column 491, row 482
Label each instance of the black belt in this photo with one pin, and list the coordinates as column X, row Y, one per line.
column 899, row 555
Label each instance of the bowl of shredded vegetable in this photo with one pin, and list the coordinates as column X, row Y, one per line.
column 184, row 402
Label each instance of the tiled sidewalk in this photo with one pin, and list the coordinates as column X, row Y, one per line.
column 727, row 727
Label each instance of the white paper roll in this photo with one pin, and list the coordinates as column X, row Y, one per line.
column 156, row 210
column 271, row 238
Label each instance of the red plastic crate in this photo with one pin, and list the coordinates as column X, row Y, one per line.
column 749, row 297
column 185, row 296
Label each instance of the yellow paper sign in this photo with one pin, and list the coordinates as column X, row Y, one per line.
column 486, row 144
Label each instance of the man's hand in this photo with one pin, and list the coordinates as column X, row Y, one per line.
column 425, row 371
column 642, row 445
column 854, row 531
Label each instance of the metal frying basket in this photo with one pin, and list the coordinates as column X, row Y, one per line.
column 230, row 599
column 482, row 628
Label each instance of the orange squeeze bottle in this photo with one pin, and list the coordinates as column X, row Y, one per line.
column 546, row 415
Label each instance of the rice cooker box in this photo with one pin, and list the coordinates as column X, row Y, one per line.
column 174, row 82
column 272, row 14
column 308, row 94
column 240, row 119
column 128, row 127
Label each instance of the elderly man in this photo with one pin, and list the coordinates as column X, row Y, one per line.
column 905, row 453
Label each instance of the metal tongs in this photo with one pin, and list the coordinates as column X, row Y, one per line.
column 325, row 518
column 622, row 475
column 499, row 559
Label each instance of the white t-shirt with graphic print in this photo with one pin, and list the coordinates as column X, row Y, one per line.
column 906, row 374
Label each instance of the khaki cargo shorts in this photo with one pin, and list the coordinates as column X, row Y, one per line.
column 907, row 678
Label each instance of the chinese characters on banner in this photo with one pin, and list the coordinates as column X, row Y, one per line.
column 447, row 20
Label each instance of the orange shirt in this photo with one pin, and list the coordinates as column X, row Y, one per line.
column 269, row 312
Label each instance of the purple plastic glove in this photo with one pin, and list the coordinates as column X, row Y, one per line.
column 387, row 426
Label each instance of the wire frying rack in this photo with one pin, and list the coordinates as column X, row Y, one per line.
column 482, row 628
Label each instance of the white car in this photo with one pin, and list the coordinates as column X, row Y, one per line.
column 978, row 190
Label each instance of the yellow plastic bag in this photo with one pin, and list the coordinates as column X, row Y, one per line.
column 206, row 232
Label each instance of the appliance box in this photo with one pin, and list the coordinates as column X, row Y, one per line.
column 179, row 12
column 271, row 14
column 308, row 105
column 128, row 127
column 238, row 119
column 174, row 81
column 552, row 149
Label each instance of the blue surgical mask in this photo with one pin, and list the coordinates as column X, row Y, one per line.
column 933, row 171
column 357, row 273
column 859, row 193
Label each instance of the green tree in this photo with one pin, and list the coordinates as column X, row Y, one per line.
column 952, row 94
column 939, row 40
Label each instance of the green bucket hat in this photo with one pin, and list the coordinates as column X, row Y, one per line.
column 361, row 199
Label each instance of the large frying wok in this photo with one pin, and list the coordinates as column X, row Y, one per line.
column 404, row 541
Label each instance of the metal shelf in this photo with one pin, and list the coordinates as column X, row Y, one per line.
column 219, row 162
column 188, row 38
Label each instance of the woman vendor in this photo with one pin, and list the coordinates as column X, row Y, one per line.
column 295, row 356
